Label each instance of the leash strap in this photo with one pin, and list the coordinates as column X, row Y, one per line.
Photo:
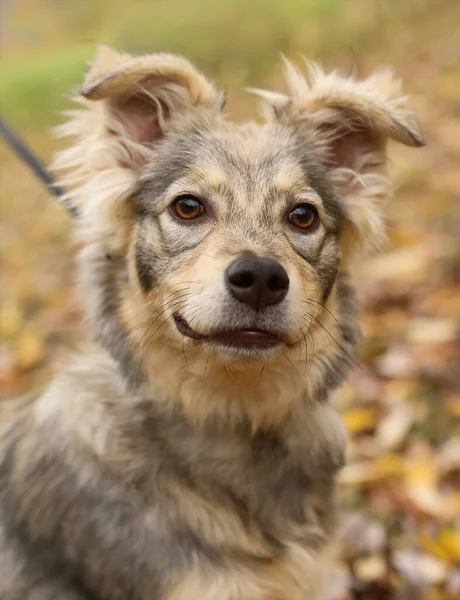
column 34, row 164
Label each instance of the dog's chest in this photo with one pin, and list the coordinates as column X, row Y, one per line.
column 299, row 575
column 270, row 532
column 257, row 507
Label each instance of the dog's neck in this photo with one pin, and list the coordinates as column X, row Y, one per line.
column 265, row 393
column 204, row 386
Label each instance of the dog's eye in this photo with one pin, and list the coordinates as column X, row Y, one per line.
column 187, row 208
column 304, row 216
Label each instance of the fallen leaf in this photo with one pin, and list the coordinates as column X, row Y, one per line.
column 393, row 428
column 10, row 319
column 370, row 568
column 432, row 331
column 361, row 535
column 384, row 467
column 421, row 567
column 359, row 420
column 453, row 406
column 397, row 363
column 30, row 348
column 429, row 501
column 449, row 541
column 448, row 457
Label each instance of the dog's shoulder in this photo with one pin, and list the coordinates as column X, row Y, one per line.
column 52, row 483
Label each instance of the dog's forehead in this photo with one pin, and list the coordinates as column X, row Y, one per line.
column 247, row 156
column 251, row 163
column 227, row 156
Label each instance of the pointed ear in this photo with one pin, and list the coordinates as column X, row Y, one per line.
column 129, row 103
column 348, row 123
column 141, row 96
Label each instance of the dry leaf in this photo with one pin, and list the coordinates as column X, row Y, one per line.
column 30, row 348
column 370, row 568
column 453, row 406
column 449, row 541
column 10, row 319
column 432, row 331
column 396, row 363
column 392, row 429
column 359, row 420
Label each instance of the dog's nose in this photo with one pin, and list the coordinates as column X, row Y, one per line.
column 257, row 281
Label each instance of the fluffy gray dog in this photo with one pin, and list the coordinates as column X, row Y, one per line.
column 190, row 452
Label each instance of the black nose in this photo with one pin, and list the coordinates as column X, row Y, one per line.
column 257, row 281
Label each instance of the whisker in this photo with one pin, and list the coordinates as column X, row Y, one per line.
column 344, row 350
column 164, row 301
column 312, row 338
column 310, row 300
column 158, row 328
column 190, row 281
column 226, row 373
column 183, row 351
column 205, row 367
column 190, row 317
column 259, row 376
column 233, row 370
column 164, row 306
column 306, row 351
column 290, row 362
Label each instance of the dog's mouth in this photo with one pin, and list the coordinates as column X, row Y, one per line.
column 249, row 339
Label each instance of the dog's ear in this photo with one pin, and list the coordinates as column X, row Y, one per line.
column 129, row 104
column 141, row 96
column 348, row 123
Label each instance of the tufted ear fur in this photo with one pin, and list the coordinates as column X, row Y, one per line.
column 349, row 123
column 141, row 94
column 130, row 104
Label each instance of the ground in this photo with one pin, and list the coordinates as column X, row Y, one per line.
column 400, row 491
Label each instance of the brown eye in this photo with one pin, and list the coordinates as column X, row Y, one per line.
column 187, row 208
column 304, row 216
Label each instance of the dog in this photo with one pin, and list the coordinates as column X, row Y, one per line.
column 190, row 453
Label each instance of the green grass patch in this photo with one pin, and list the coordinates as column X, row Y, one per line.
column 33, row 91
column 234, row 41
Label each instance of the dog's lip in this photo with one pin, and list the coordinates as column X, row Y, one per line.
column 237, row 338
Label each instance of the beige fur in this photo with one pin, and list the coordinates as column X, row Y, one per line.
column 165, row 463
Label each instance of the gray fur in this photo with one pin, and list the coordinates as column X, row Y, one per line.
column 156, row 466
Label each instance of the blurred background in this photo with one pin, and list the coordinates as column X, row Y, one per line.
column 400, row 491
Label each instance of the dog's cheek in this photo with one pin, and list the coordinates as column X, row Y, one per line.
column 328, row 267
column 195, row 284
column 304, row 292
column 145, row 256
column 144, row 263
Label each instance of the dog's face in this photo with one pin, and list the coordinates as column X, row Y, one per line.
column 238, row 236
column 224, row 242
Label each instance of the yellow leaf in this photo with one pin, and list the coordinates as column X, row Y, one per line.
column 372, row 471
column 10, row 319
column 389, row 465
column 433, row 547
column 358, row 420
column 432, row 502
column 453, row 406
column 449, row 541
column 421, row 474
column 452, row 505
column 30, row 348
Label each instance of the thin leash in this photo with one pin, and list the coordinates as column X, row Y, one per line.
column 21, row 149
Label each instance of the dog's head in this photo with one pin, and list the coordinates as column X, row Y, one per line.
column 213, row 245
